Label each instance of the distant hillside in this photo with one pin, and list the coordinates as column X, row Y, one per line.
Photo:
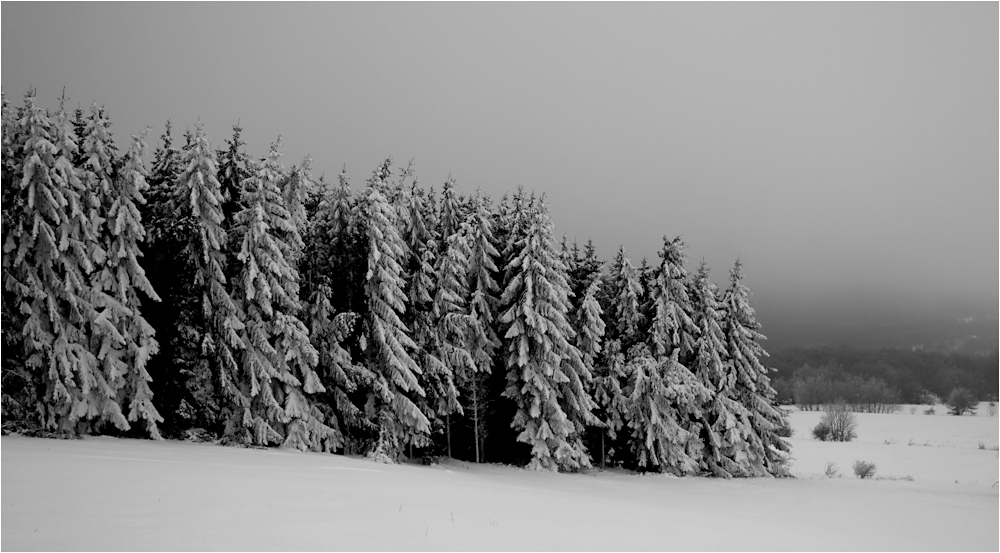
column 911, row 372
column 969, row 334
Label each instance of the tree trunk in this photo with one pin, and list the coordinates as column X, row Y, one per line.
column 447, row 419
column 475, row 418
column 602, row 449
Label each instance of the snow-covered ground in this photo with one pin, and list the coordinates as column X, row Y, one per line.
column 110, row 494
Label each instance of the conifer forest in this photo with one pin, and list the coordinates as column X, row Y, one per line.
column 179, row 286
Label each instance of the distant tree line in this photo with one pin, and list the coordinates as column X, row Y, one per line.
column 235, row 295
column 888, row 373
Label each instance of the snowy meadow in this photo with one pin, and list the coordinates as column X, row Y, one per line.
column 935, row 488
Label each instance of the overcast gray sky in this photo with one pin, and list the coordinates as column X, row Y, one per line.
column 848, row 153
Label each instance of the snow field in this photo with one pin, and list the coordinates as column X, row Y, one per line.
column 110, row 494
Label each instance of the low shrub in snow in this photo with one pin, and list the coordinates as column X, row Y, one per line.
column 961, row 400
column 831, row 470
column 864, row 469
column 837, row 425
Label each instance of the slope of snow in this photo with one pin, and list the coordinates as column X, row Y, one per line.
column 111, row 494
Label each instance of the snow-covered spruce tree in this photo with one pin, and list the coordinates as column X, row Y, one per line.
column 451, row 210
column 546, row 374
column 666, row 398
column 590, row 325
column 296, row 189
column 611, row 378
column 727, row 433
column 585, row 269
column 750, row 383
column 663, row 395
column 437, row 379
column 611, row 375
column 121, row 336
column 181, row 377
column 341, row 376
column 453, row 324
column 277, row 355
column 387, row 340
column 482, row 340
column 625, row 292
column 331, row 257
column 671, row 325
column 234, row 168
column 15, row 393
column 47, row 258
column 198, row 199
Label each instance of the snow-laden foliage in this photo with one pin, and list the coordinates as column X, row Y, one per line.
column 545, row 372
column 664, row 398
column 671, row 326
column 198, row 198
column 47, row 260
column 277, row 355
column 625, row 293
column 728, row 433
column 750, row 385
column 387, row 340
column 122, row 277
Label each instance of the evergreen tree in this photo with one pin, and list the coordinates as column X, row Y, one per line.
column 47, row 258
column 451, row 216
column 750, row 383
column 671, row 324
column 181, row 378
column 17, row 397
column 610, row 379
column 453, row 324
column 726, row 431
column 626, row 292
column 590, row 330
column 663, row 396
column 546, row 374
column 296, row 190
column 276, row 352
column 198, row 198
column 482, row 340
column 122, row 337
column 341, row 375
column 387, row 340
column 234, row 168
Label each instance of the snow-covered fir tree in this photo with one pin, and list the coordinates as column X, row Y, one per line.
column 277, row 354
column 47, row 260
column 125, row 340
column 388, row 343
column 663, row 397
column 296, row 190
column 750, row 384
column 453, row 324
column 198, row 199
column 671, row 327
column 234, row 168
column 727, row 433
column 482, row 340
column 666, row 398
column 545, row 372
column 451, row 210
column 611, row 379
column 625, row 295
